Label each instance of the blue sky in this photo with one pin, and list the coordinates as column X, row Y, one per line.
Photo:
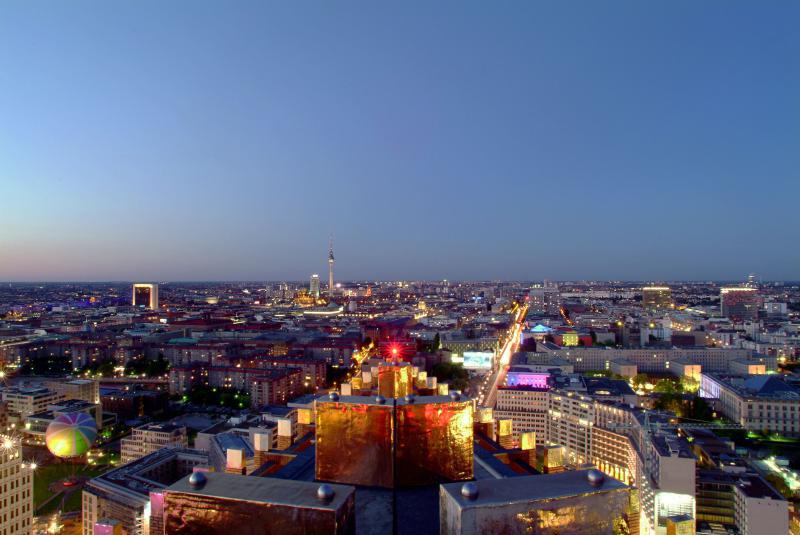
column 521, row 140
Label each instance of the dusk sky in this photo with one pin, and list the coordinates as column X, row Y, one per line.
column 514, row 140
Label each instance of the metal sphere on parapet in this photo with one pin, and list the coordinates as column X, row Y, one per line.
column 325, row 492
column 595, row 477
column 469, row 490
column 197, row 479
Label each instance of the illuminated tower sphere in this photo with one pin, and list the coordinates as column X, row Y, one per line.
column 71, row 434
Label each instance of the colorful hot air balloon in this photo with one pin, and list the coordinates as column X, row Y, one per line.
column 71, row 434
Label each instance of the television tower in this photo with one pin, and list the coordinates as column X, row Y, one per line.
column 330, row 267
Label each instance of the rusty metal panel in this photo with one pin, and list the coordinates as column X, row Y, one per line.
column 354, row 442
column 434, row 441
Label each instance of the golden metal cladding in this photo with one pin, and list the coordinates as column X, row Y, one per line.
column 434, row 441
column 680, row 525
column 192, row 514
column 552, row 457
column 304, row 416
column 395, row 380
column 528, row 440
column 395, row 443
column 504, row 427
column 601, row 514
column 354, row 442
column 485, row 415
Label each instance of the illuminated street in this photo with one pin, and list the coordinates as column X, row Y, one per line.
column 488, row 397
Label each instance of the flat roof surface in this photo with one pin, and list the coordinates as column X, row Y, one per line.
column 530, row 488
column 370, row 400
column 265, row 490
column 164, row 427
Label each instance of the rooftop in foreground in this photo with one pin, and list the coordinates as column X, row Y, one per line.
column 263, row 489
column 525, row 489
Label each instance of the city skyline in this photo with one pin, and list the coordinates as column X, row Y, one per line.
column 617, row 142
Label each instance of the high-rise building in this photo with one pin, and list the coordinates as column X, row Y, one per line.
column 82, row 389
column 571, row 417
column 657, row 297
column 330, row 268
column 739, row 303
column 526, row 406
column 756, row 402
column 16, row 481
column 313, row 286
column 25, row 401
column 148, row 438
column 145, row 295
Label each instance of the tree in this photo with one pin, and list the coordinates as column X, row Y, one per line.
column 689, row 384
column 671, row 402
column 455, row 374
column 780, row 485
column 639, row 380
column 667, row 386
column 701, row 410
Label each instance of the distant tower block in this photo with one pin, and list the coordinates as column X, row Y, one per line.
column 313, row 286
column 145, row 295
column 657, row 298
column 330, row 268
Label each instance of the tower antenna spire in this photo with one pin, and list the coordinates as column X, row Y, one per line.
column 330, row 267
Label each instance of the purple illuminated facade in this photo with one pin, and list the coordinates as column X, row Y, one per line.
column 532, row 379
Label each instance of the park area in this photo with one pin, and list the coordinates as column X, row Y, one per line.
column 50, row 494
